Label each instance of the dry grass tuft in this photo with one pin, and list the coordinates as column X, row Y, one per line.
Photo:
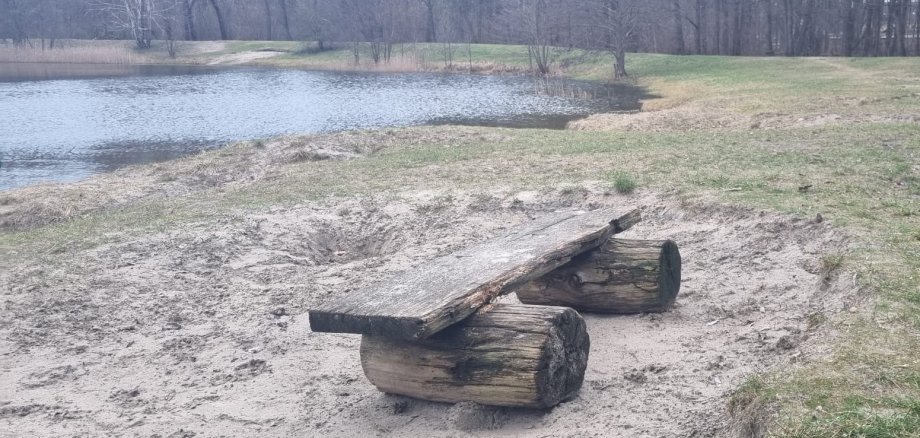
column 303, row 155
column 749, row 413
column 79, row 54
column 830, row 265
column 36, row 213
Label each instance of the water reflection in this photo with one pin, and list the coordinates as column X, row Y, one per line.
column 60, row 127
column 33, row 71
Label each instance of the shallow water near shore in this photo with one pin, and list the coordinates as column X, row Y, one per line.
column 66, row 122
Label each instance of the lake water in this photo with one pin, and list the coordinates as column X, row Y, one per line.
column 63, row 123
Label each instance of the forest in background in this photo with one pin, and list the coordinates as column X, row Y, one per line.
column 712, row 27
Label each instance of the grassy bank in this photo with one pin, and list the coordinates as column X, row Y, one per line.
column 835, row 137
column 478, row 58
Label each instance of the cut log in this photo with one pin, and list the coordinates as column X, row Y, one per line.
column 509, row 355
column 423, row 301
column 622, row 276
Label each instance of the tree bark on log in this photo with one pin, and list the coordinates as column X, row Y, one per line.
column 504, row 355
column 622, row 276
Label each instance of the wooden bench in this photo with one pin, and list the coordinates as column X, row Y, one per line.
column 432, row 333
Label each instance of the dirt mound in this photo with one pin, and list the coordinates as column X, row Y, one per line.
column 202, row 329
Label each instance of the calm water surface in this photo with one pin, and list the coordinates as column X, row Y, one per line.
column 63, row 125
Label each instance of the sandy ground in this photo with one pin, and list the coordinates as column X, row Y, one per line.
column 242, row 57
column 202, row 330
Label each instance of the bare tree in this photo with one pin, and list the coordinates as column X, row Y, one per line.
column 321, row 17
column 139, row 18
column 678, row 27
column 618, row 21
column 531, row 19
column 170, row 37
column 431, row 30
column 726, row 27
column 15, row 20
column 189, row 14
column 374, row 21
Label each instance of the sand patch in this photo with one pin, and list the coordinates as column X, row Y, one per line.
column 244, row 57
column 202, row 329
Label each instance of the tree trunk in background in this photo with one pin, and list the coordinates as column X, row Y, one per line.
column 882, row 4
column 268, row 20
column 620, row 64
column 740, row 10
column 700, row 26
column 285, row 22
column 749, row 34
column 872, row 29
column 221, row 23
column 431, row 32
column 720, row 5
column 728, row 24
column 788, row 28
column 917, row 30
column 190, row 32
column 141, row 24
column 903, row 13
column 678, row 28
column 805, row 33
column 770, row 50
column 848, row 32
column 889, row 27
column 879, row 12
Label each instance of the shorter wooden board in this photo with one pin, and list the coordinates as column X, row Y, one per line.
column 422, row 301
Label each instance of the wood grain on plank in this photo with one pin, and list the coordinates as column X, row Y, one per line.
column 425, row 300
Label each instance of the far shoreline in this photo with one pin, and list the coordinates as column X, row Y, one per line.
column 484, row 59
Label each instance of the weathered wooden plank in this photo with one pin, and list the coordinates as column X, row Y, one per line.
column 421, row 302
column 509, row 355
column 621, row 276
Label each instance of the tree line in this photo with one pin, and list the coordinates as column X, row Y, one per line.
column 715, row 27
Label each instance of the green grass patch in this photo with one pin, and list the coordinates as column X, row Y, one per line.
column 900, row 418
column 624, row 184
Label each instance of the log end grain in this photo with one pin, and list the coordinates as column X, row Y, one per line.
column 565, row 358
column 668, row 275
